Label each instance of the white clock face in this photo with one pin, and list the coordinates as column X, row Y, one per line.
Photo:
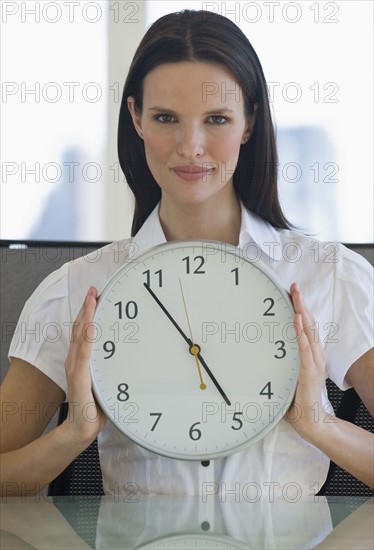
column 195, row 354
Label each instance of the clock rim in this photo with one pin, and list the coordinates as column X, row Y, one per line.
column 193, row 243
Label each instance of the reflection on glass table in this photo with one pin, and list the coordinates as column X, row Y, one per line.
column 186, row 522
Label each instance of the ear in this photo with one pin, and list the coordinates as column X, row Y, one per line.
column 135, row 115
column 250, row 125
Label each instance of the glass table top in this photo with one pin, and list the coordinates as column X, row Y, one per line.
column 184, row 522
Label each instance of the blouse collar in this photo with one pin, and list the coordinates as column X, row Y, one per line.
column 255, row 234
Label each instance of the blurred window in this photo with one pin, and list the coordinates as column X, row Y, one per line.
column 53, row 110
column 317, row 58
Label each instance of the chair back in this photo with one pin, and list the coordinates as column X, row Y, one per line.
column 25, row 265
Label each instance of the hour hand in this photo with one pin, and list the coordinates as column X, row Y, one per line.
column 191, row 345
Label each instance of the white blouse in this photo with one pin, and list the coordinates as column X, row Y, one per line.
column 337, row 286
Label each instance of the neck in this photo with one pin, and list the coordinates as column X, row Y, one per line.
column 218, row 221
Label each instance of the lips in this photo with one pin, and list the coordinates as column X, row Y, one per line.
column 192, row 172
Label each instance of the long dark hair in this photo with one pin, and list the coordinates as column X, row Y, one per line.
column 205, row 36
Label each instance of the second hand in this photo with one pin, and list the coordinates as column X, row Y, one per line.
column 194, row 349
column 189, row 342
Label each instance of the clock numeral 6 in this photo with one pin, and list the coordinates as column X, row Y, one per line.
column 110, row 348
column 195, row 433
column 122, row 394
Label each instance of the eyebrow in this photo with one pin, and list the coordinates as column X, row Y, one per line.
column 211, row 112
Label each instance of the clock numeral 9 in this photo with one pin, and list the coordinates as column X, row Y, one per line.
column 110, row 348
column 198, row 270
column 131, row 309
column 195, row 433
column 148, row 277
column 122, row 394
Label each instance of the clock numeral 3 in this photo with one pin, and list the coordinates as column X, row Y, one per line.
column 281, row 349
column 195, row 433
column 122, row 394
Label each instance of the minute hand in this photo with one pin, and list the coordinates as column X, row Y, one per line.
column 189, row 342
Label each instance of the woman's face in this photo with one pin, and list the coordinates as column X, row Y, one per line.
column 193, row 123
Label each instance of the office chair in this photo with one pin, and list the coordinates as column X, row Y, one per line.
column 23, row 266
column 23, row 269
column 348, row 406
column 83, row 475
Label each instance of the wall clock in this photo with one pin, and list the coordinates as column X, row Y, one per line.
column 195, row 354
column 195, row 541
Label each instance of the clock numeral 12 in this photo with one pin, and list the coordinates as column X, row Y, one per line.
column 198, row 269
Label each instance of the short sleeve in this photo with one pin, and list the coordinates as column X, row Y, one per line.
column 352, row 328
column 43, row 331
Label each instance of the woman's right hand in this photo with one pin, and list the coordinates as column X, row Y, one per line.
column 85, row 418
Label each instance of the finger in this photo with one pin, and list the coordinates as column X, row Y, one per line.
column 308, row 322
column 311, row 373
column 298, row 301
column 83, row 331
column 86, row 313
column 86, row 331
column 306, row 355
column 89, row 311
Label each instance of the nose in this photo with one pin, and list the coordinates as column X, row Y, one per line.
column 190, row 141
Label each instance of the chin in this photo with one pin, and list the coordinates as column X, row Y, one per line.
column 193, row 197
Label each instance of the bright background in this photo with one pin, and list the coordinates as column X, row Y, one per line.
column 60, row 174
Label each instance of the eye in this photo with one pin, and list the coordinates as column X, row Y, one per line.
column 218, row 119
column 164, row 118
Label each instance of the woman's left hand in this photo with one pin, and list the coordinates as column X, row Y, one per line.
column 349, row 446
column 306, row 412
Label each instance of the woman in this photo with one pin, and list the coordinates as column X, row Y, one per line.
column 197, row 146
